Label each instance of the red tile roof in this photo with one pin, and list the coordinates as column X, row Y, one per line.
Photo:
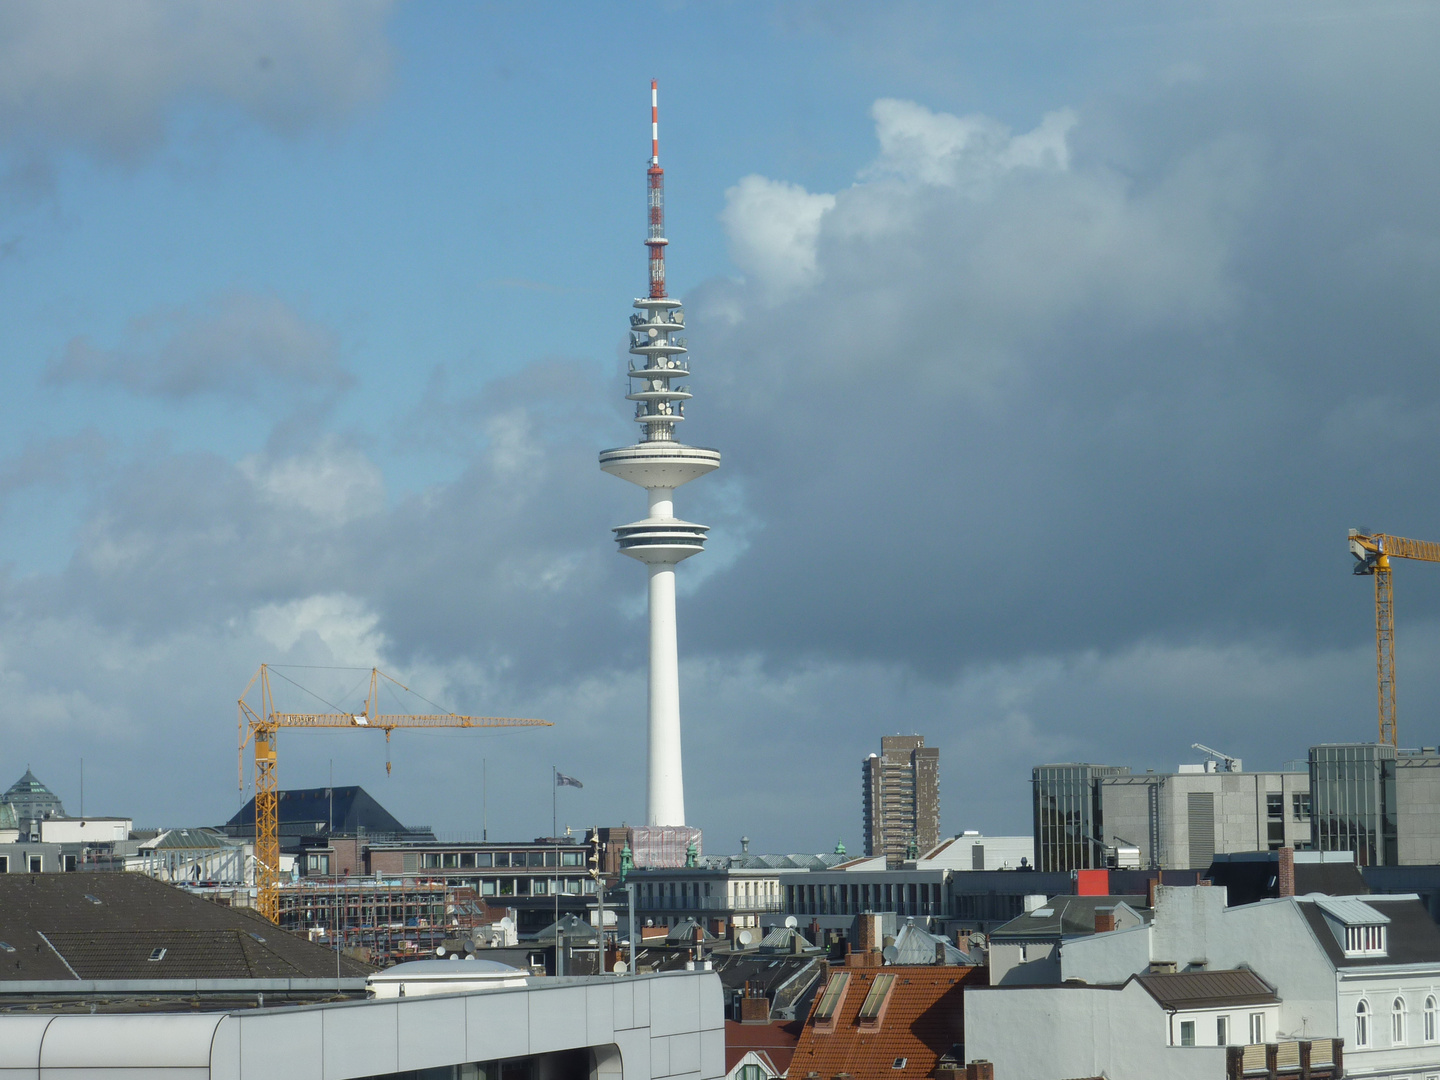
column 776, row 1040
column 924, row 1018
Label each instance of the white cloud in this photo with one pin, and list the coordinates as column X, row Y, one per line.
column 343, row 627
column 773, row 227
column 926, row 147
column 331, row 481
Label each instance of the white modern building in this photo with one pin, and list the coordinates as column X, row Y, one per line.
column 660, row 464
column 644, row 1027
column 973, row 851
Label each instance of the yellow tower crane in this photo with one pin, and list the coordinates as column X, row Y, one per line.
column 1373, row 552
column 259, row 726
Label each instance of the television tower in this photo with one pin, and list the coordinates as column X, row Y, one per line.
column 660, row 464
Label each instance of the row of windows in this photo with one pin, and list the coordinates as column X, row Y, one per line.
column 1222, row 1030
column 922, row 898
column 536, row 886
column 1398, row 1022
column 466, row 860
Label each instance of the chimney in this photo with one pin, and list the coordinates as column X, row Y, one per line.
column 1285, row 875
column 940, row 953
column 866, row 932
column 754, row 1009
column 1150, row 884
column 1104, row 920
column 980, row 1069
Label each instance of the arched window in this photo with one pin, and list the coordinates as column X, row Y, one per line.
column 1431, row 1011
column 1362, row 1023
column 1397, row 1022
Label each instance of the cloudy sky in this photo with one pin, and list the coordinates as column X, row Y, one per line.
column 1051, row 350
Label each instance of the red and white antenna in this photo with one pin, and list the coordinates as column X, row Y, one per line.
column 655, row 234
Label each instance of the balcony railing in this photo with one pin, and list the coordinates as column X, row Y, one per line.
column 1320, row 1059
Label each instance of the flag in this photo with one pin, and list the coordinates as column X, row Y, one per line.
column 561, row 780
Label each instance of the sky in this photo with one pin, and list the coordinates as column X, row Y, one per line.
column 1051, row 349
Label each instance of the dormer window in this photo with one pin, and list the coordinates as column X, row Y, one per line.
column 1368, row 940
column 1359, row 929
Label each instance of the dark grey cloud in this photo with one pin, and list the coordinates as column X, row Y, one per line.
column 236, row 345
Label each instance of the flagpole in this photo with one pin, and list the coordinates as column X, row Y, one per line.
column 554, row 816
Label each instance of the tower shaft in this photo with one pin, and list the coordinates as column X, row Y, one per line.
column 666, row 779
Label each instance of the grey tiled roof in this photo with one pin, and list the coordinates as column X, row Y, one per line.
column 106, row 925
column 1061, row 916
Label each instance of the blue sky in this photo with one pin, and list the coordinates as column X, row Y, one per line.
column 1051, row 349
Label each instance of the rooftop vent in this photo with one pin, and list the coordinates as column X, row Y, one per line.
column 898, row 1063
column 157, row 954
column 92, row 899
column 5, row 946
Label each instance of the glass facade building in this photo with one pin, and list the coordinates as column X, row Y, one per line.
column 1353, row 805
column 1069, row 825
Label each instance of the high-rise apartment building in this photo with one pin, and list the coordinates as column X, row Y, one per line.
column 902, row 798
column 1379, row 802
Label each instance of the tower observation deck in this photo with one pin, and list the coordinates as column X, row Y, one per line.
column 660, row 464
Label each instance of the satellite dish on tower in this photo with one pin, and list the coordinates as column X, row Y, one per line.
column 791, row 922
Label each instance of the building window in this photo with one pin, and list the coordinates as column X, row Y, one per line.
column 1274, row 804
column 751, row 1072
column 4, row 864
column 1430, row 1014
column 1397, row 1022
column 1300, row 805
column 1365, row 940
column 1187, row 1032
column 502, row 858
column 1362, row 1023
column 35, row 864
column 570, row 858
column 1257, row 1027
column 1222, row 1031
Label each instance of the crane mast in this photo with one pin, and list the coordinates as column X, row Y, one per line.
column 1373, row 552
column 259, row 726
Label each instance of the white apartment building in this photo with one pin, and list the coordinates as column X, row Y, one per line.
column 1365, row 969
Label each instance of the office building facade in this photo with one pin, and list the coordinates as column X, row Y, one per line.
column 1094, row 816
column 1381, row 803
column 901, row 789
column 1068, row 816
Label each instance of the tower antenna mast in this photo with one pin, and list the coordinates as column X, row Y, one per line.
column 655, row 232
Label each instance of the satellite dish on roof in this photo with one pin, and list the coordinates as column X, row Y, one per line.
column 890, row 953
column 619, row 967
column 791, row 922
column 744, row 937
